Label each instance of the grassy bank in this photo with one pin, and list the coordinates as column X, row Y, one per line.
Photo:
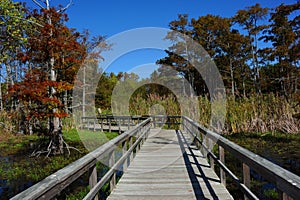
column 280, row 148
column 18, row 170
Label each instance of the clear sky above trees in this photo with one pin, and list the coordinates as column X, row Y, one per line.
column 110, row 17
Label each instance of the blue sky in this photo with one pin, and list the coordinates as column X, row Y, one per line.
column 110, row 17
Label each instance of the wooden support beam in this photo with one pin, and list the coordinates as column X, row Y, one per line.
column 113, row 180
column 246, row 178
column 93, row 178
column 222, row 159
column 124, row 150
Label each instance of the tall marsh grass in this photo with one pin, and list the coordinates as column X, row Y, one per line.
column 268, row 113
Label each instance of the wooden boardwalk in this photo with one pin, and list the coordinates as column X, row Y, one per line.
column 169, row 166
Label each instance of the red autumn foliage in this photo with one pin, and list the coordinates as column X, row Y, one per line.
column 33, row 95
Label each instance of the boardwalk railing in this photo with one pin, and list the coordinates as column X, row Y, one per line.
column 121, row 123
column 287, row 182
column 170, row 121
column 55, row 183
column 110, row 123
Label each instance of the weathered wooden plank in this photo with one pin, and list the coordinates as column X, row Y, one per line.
column 168, row 166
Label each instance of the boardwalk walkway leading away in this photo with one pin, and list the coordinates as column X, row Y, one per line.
column 165, row 164
column 169, row 166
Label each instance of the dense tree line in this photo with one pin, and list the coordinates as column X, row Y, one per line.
column 256, row 50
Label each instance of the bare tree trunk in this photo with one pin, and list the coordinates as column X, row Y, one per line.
column 83, row 92
column 232, row 77
column 10, row 82
column 244, row 87
column 65, row 101
column 54, row 122
column 1, row 103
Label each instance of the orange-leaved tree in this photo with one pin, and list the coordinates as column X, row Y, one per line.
column 54, row 54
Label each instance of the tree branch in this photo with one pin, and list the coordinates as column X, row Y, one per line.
column 38, row 4
column 28, row 20
column 66, row 7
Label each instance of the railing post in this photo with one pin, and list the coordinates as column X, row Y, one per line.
column 212, row 162
column 88, row 124
column 130, row 145
column 128, row 123
column 137, row 136
column 119, row 124
column 246, row 177
column 101, row 123
column 94, row 124
column 154, row 121
column 81, row 123
column 109, row 124
column 207, row 144
column 203, row 150
column 93, row 178
column 285, row 196
column 124, row 150
column 222, row 159
column 111, row 164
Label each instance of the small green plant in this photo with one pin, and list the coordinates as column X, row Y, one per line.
column 271, row 193
column 78, row 195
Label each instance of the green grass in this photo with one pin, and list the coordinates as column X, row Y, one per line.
column 80, row 194
column 74, row 135
column 90, row 139
column 21, row 168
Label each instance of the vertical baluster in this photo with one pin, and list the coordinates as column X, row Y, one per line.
column 124, row 150
column 94, row 124
column 119, row 124
column 203, row 151
column 101, row 123
column 212, row 163
column 111, row 163
column 138, row 133
column 222, row 159
column 130, row 145
column 128, row 125
column 109, row 124
column 246, row 177
column 93, row 178
column 285, row 196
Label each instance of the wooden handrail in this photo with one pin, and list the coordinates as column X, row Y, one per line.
column 110, row 121
column 286, row 181
column 168, row 121
column 55, row 183
column 127, row 121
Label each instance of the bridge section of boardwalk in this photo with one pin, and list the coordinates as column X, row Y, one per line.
column 169, row 166
column 165, row 164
